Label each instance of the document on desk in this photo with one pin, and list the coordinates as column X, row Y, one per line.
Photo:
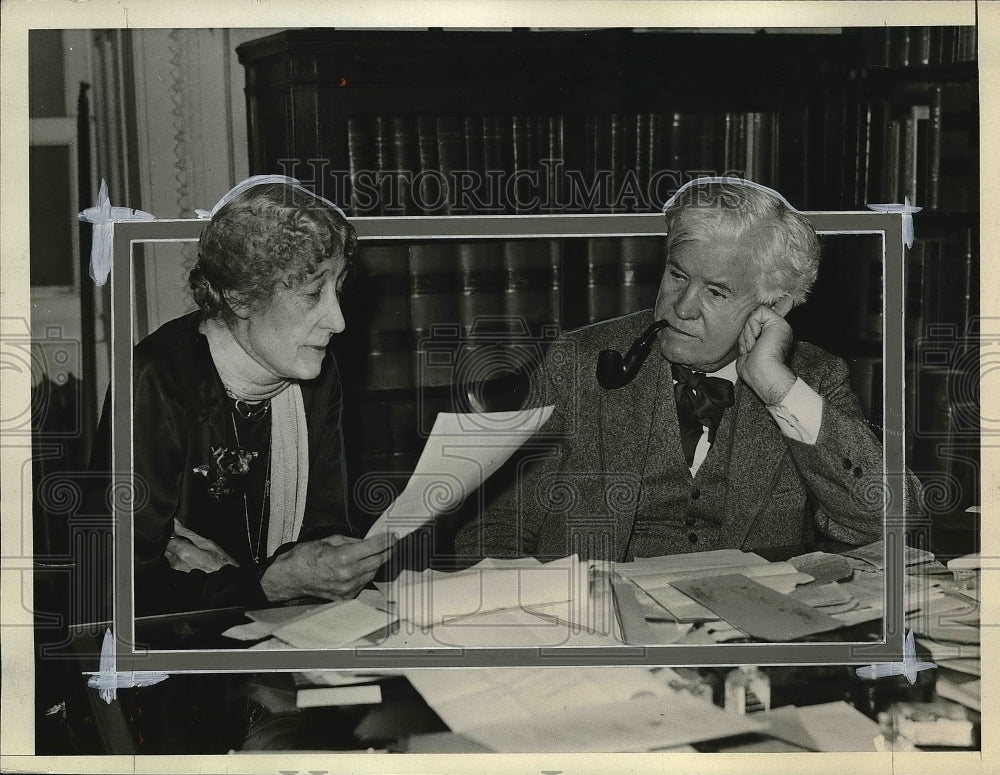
column 872, row 556
column 434, row 597
column 484, row 696
column 757, row 610
column 462, row 452
column 334, row 625
column 639, row 724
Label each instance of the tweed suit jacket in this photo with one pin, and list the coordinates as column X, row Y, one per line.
column 588, row 474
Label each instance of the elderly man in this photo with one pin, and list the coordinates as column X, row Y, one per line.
column 732, row 435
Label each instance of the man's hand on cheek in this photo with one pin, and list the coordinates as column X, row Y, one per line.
column 765, row 343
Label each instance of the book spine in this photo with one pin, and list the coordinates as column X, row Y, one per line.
column 471, row 199
column 405, row 159
column 616, row 161
column 433, row 285
column 521, row 142
column 426, row 191
column 451, row 151
column 659, row 159
column 641, row 266
column 959, row 158
column 504, row 154
column 602, row 278
column 639, row 152
column 385, row 181
column 969, row 303
column 920, row 46
column 554, row 153
column 385, row 280
column 531, row 294
column 362, row 163
column 891, row 191
column 899, row 46
column 481, row 282
column 913, row 303
column 934, row 148
column 752, row 125
column 878, row 163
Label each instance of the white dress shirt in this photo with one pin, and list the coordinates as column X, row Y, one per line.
column 798, row 415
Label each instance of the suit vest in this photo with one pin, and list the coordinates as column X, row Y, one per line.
column 677, row 512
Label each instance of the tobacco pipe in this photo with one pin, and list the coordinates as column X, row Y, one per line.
column 615, row 370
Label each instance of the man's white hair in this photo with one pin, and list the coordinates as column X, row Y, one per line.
column 780, row 242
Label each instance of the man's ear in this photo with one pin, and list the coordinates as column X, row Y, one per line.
column 237, row 303
column 783, row 305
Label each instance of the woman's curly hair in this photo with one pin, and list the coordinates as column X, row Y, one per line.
column 269, row 235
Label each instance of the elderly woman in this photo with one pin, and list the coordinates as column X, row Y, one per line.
column 238, row 454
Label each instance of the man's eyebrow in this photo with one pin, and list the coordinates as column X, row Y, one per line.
column 720, row 284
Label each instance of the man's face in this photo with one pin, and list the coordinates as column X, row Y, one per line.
column 707, row 292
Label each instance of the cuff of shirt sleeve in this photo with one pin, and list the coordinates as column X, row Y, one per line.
column 800, row 413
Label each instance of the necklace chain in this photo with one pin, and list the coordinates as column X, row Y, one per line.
column 255, row 547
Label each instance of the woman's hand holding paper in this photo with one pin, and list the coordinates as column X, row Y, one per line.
column 335, row 568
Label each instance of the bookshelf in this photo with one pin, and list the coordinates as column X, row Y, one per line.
column 528, row 123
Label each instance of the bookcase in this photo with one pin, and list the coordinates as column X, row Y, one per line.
column 526, row 123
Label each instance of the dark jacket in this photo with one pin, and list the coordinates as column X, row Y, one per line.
column 179, row 414
column 614, row 483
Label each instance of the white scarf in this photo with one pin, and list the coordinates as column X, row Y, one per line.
column 248, row 380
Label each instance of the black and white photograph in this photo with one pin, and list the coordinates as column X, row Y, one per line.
column 496, row 383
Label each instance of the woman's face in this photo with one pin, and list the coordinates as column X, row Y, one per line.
column 289, row 336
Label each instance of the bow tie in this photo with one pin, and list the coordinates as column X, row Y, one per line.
column 701, row 397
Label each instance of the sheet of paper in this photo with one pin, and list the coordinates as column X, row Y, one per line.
column 823, row 595
column 641, row 724
column 282, row 614
column 784, row 723
column 873, row 555
column 943, row 651
column 462, row 452
column 963, row 689
column 476, row 697
column 823, row 566
column 267, row 620
column 510, row 628
column 968, row 666
column 790, row 576
column 680, row 607
column 366, row 694
column 685, row 563
column 836, row 726
column 336, row 624
column 437, row 597
column 757, row 610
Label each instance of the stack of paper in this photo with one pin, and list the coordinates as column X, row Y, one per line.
column 571, row 709
column 740, row 593
column 501, row 603
column 947, row 626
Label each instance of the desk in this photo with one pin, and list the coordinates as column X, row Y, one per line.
column 220, row 707
column 403, row 722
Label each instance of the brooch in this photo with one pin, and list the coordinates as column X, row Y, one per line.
column 226, row 464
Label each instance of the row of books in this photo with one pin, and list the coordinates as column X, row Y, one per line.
column 920, row 46
column 921, row 145
column 439, row 313
column 473, row 164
